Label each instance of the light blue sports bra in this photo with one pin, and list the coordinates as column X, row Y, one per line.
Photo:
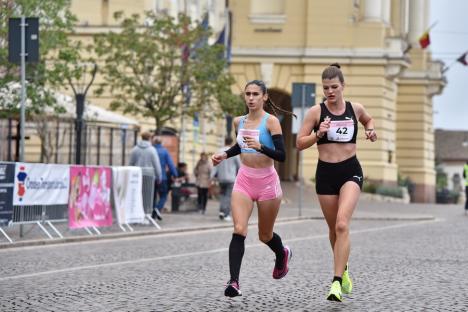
column 261, row 134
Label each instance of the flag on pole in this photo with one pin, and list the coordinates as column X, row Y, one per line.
column 185, row 48
column 463, row 59
column 425, row 40
column 203, row 40
column 224, row 38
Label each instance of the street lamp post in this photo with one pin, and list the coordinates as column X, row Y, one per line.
column 80, row 88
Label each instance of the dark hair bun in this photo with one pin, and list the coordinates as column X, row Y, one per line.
column 335, row 65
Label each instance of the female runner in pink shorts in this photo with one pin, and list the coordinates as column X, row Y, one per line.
column 260, row 143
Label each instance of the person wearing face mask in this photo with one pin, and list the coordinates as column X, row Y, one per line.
column 333, row 126
column 259, row 143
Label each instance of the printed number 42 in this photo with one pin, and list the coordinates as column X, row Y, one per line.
column 343, row 130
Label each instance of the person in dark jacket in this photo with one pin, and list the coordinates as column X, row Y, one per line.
column 162, row 189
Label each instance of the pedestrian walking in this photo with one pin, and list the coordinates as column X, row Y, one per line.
column 162, row 189
column 202, row 174
column 225, row 173
column 259, row 142
column 339, row 176
column 465, row 175
column 144, row 155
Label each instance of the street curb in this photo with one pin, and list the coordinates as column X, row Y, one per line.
column 110, row 236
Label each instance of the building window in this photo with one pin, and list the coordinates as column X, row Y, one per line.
column 267, row 11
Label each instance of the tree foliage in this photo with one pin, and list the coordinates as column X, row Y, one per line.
column 55, row 25
column 149, row 72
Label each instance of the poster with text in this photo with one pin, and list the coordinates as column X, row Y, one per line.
column 90, row 197
column 40, row 184
column 128, row 196
column 7, row 178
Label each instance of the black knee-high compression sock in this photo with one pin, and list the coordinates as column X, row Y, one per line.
column 236, row 252
column 276, row 245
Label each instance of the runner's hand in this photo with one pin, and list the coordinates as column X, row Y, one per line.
column 324, row 126
column 218, row 157
column 371, row 135
column 252, row 143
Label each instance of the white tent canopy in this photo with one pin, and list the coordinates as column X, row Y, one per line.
column 93, row 112
column 10, row 93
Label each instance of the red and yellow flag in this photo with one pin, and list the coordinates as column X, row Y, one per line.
column 425, row 40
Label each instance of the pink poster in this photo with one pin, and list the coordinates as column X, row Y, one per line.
column 89, row 203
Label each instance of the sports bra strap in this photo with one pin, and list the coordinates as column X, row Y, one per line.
column 264, row 120
column 262, row 123
column 241, row 122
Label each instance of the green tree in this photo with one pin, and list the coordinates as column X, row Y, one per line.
column 43, row 78
column 145, row 68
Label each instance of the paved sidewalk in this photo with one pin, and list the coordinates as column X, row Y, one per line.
column 191, row 221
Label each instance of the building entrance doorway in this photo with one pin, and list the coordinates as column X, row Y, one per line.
column 288, row 170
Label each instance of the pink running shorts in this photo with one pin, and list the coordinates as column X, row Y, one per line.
column 258, row 184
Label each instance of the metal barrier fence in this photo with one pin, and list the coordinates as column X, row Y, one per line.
column 42, row 215
column 148, row 189
column 102, row 144
column 29, row 214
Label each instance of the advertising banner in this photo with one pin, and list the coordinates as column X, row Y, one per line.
column 128, row 197
column 89, row 203
column 40, row 184
column 7, row 179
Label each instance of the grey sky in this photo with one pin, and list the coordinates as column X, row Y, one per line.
column 449, row 40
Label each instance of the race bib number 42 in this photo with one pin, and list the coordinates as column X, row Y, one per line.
column 341, row 130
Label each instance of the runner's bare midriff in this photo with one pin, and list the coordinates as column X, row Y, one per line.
column 336, row 152
column 256, row 160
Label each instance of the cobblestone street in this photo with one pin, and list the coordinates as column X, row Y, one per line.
column 397, row 264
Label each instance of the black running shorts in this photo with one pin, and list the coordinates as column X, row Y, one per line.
column 330, row 177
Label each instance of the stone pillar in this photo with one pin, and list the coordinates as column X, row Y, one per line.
column 373, row 10
column 418, row 17
column 377, row 11
column 267, row 73
column 386, row 11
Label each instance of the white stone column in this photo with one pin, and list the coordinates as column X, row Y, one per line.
column 417, row 19
column 404, row 16
column 386, row 11
column 175, row 8
column 267, row 73
column 373, row 10
column 377, row 11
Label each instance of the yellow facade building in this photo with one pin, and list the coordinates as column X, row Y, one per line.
column 282, row 42
column 376, row 43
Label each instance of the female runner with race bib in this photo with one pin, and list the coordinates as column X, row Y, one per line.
column 333, row 126
column 259, row 143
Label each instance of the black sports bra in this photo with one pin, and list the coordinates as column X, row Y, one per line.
column 343, row 128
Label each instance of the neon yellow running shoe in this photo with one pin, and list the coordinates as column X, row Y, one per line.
column 335, row 292
column 347, row 283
